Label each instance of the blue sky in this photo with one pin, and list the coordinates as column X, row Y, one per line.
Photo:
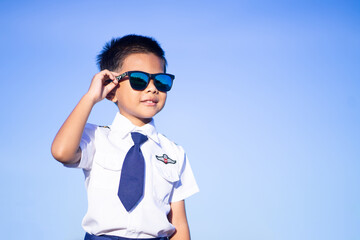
column 266, row 104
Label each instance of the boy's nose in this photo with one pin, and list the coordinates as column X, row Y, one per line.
column 151, row 87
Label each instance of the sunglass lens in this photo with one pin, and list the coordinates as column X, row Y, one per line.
column 163, row 82
column 138, row 80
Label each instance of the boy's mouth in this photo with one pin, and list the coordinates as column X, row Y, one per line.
column 150, row 102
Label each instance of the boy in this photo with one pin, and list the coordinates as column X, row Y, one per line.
column 136, row 178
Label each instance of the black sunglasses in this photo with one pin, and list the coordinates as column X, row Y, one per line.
column 140, row 80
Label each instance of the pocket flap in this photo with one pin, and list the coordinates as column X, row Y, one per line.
column 167, row 171
column 110, row 162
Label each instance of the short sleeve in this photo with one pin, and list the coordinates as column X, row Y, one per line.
column 187, row 185
column 87, row 146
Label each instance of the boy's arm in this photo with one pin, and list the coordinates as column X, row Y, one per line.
column 177, row 217
column 65, row 147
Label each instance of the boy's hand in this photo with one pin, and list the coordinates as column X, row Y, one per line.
column 99, row 89
column 65, row 147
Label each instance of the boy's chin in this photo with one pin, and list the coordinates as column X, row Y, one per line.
column 147, row 113
column 140, row 116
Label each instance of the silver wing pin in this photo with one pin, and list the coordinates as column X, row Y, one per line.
column 165, row 159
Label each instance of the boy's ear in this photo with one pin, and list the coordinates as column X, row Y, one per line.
column 112, row 96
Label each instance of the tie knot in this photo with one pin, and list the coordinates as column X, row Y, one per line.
column 138, row 138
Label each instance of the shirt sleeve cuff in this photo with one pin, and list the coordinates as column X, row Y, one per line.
column 179, row 197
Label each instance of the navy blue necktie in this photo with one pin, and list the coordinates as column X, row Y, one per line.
column 132, row 178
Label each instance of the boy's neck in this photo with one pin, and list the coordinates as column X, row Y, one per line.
column 139, row 122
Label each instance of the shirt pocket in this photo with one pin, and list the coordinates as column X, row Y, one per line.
column 105, row 173
column 112, row 162
column 165, row 177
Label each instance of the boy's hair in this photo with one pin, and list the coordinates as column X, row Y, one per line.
column 116, row 50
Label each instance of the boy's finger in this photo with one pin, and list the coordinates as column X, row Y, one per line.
column 110, row 86
column 106, row 74
column 108, row 77
column 109, row 81
column 115, row 73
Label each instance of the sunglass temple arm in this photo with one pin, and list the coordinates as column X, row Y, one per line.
column 121, row 76
column 117, row 77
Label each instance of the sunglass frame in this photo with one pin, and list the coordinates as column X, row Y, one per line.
column 150, row 76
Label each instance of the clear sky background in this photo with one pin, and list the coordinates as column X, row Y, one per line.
column 265, row 102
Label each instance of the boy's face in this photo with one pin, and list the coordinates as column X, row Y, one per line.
column 140, row 106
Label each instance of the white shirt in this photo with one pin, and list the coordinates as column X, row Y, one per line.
column 103, row 153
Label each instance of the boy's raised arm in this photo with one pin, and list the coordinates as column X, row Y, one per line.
column 65, row 147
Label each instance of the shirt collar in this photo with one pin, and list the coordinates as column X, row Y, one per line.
column 124, row 126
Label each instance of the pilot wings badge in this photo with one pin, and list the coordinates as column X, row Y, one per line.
column 165, row 159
